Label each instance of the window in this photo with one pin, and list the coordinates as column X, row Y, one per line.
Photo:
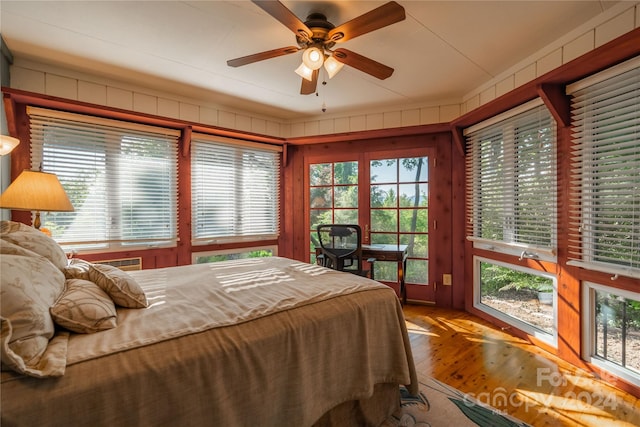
column 613, row 327
column 232, row 254
column 119, row 176
column 511, row 173
column 235, row 190
column 520, row 296
column 605, row 222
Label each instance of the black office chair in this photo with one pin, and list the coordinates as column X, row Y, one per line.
column 341, row 248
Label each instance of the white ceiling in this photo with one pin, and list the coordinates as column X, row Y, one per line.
column 441, row 52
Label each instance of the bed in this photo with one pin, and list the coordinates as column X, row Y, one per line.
column 266, row 341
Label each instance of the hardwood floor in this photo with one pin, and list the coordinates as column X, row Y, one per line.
column 510, row 374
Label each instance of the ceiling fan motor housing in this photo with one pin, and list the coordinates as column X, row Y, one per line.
column 320, row 28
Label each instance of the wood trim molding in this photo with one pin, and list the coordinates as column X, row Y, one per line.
column 614, row 52
column 458, row 139
column 10, row 112
column 555, row 99
column 186, row 141
column 369, row 135
column 12, row 97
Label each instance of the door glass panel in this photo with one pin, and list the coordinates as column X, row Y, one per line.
column 319, row 216
column 345, row 173
column 419, row 243
column 346, row 197
column 417, row 270
column 321, row 197
column 320, row 174
column 384, row 220
column 413, row 195
column 345, row 216
column 384, row 171
column 413, row 219
column 384, row 196
column 384, row 239
column 413, row 170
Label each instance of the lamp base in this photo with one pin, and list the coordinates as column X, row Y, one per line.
column 36, row 221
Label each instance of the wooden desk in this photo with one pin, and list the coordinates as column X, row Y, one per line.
column 393, row 253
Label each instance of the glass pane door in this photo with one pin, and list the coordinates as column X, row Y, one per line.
column 399, row 195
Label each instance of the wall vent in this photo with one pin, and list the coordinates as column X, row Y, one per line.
column 125, row 264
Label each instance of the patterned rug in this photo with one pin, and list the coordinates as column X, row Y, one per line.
column 441, row 405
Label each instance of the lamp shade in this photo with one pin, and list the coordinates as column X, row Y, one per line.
column 36, row 191
column 7, row 144
column 305, row 72
column 332, row 66
column 313, row 58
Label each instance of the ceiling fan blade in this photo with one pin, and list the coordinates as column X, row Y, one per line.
column 286, row 17
column 309, row 87
column 387, row 14
column 262, row 56
column 363, row 63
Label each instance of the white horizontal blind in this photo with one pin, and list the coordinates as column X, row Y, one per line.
column 235, row 190
column 511, row 183
column 120, row 177
column 605, row 211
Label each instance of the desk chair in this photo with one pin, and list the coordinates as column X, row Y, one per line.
column 341, row 248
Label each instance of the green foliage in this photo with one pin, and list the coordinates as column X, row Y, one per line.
column 617, row 311
column 237, row 255
column 496, row 278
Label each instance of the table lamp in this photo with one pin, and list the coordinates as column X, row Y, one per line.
column 36, row 191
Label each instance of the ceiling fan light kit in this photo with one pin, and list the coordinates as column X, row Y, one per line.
column 316, row 36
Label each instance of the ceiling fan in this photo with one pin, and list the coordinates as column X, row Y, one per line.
column 316, row 36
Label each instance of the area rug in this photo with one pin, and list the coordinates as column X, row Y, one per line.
column 441, row 405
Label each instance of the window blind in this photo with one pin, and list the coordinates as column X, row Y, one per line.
column 605, row 209
column 511, row 183
column 235, row 190
column 120, row 177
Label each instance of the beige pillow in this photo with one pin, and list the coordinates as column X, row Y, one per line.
column 9, row 248
column 30, row 285
column 53, row 362
column 77, row 269
column 35, row 240
column 121, row 287
column 84, row 308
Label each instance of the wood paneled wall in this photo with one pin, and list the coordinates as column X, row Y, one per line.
column 446, row 200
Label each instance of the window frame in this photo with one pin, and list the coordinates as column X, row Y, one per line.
column 551, row 339
column 588, row 330
column 235, row 159
column 111, row 134
column 504, row 125
column 583, row 232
